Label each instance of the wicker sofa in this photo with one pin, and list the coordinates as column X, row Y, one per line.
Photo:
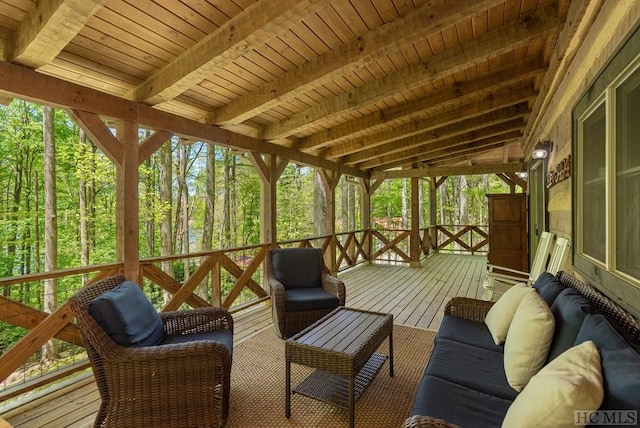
column 464, row 383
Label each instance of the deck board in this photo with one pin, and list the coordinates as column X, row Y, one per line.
column 415, row 296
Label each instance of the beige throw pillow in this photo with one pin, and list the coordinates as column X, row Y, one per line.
column 528, row 340
column 499, row 317
column 572, row 381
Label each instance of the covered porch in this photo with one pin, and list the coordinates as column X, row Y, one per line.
column 415, row 296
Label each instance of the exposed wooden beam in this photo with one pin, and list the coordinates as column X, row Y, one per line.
column 402, row 159
column 48, row 29
column 561, row 60
column 431, row 145
column 456, row 59
column 247, row 31
column 464, row 126
column 152, row 144
column 503, row 99
column 25, row 83
column 470, row 151
column 484, row 87
column 381, row 41
column 99, row 134
column 448, row 171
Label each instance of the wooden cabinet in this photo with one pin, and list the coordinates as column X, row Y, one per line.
column 508, row 231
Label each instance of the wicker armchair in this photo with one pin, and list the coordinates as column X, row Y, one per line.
column 183, row 381
column 301, row 291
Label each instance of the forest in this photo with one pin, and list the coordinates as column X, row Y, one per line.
column 57, row 208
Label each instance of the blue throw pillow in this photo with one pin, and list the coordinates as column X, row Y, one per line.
column 569, row 310
column 548, row 287
column 620, row 362
column 127, row 316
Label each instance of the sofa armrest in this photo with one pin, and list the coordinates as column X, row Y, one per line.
column 334, row 286
column 197, row 320
column 468, row 308
column 418, row 421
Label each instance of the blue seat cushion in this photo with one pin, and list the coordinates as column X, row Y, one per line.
column 223, row 336
column 309, row 299
column 470, row 366
column 127, row 316
column 548, row 287
column 297, row 267
column 467, row 331
column 569, row 310
column 457, row 404
column 620, row 363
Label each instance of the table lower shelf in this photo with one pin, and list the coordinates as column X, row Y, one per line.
column 334, row 389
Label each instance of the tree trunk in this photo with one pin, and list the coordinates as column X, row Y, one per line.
column 183, row 192
column 229, row 168
column 166, row 242
column 84, row 215
column 320, row 204
column 209, row 211
column 49, row 350
column 464, row 212
column 352, row 206
column 405, row 205
column 149, row 202
column 344, row 209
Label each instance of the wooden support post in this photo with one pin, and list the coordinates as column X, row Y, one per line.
column 432, row 212
column 127, row 202
column 414, row 241
column 365, row 214
column 330, row 180
column 269, row 170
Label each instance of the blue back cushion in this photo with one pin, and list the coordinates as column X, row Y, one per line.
column 297, row 267
column 127, row 316
column 569, row 310
column 620, row 362
column 548, row 287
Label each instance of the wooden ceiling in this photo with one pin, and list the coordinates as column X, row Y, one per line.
column 371, row 85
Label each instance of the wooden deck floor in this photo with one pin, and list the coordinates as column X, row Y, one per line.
column 415, row 297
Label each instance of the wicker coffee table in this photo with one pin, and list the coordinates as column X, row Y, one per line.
column 341, row 347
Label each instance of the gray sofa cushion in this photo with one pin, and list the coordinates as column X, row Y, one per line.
column 467, row 331
column 620, row 363
column 569, row 310
column 549, row 287
column 297, row 267
column 223, row 336
column 457, row 404
column 309, row 299
column 127, row 316
column 470, row 366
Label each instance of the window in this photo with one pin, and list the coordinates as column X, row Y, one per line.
column 606, row 126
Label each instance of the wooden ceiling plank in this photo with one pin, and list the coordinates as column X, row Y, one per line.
column 448, row 171
column 373, row 45
column 495, row 42
column 48, row 28
column 438, row 133
column 429, row 147
column 496, row 101
column 468, row 152
column 245, row 32
column 486, row 84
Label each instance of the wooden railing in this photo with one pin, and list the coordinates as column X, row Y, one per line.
column 463, row 239
column 232, row 278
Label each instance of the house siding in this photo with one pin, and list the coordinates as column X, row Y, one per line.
column 604, row 28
